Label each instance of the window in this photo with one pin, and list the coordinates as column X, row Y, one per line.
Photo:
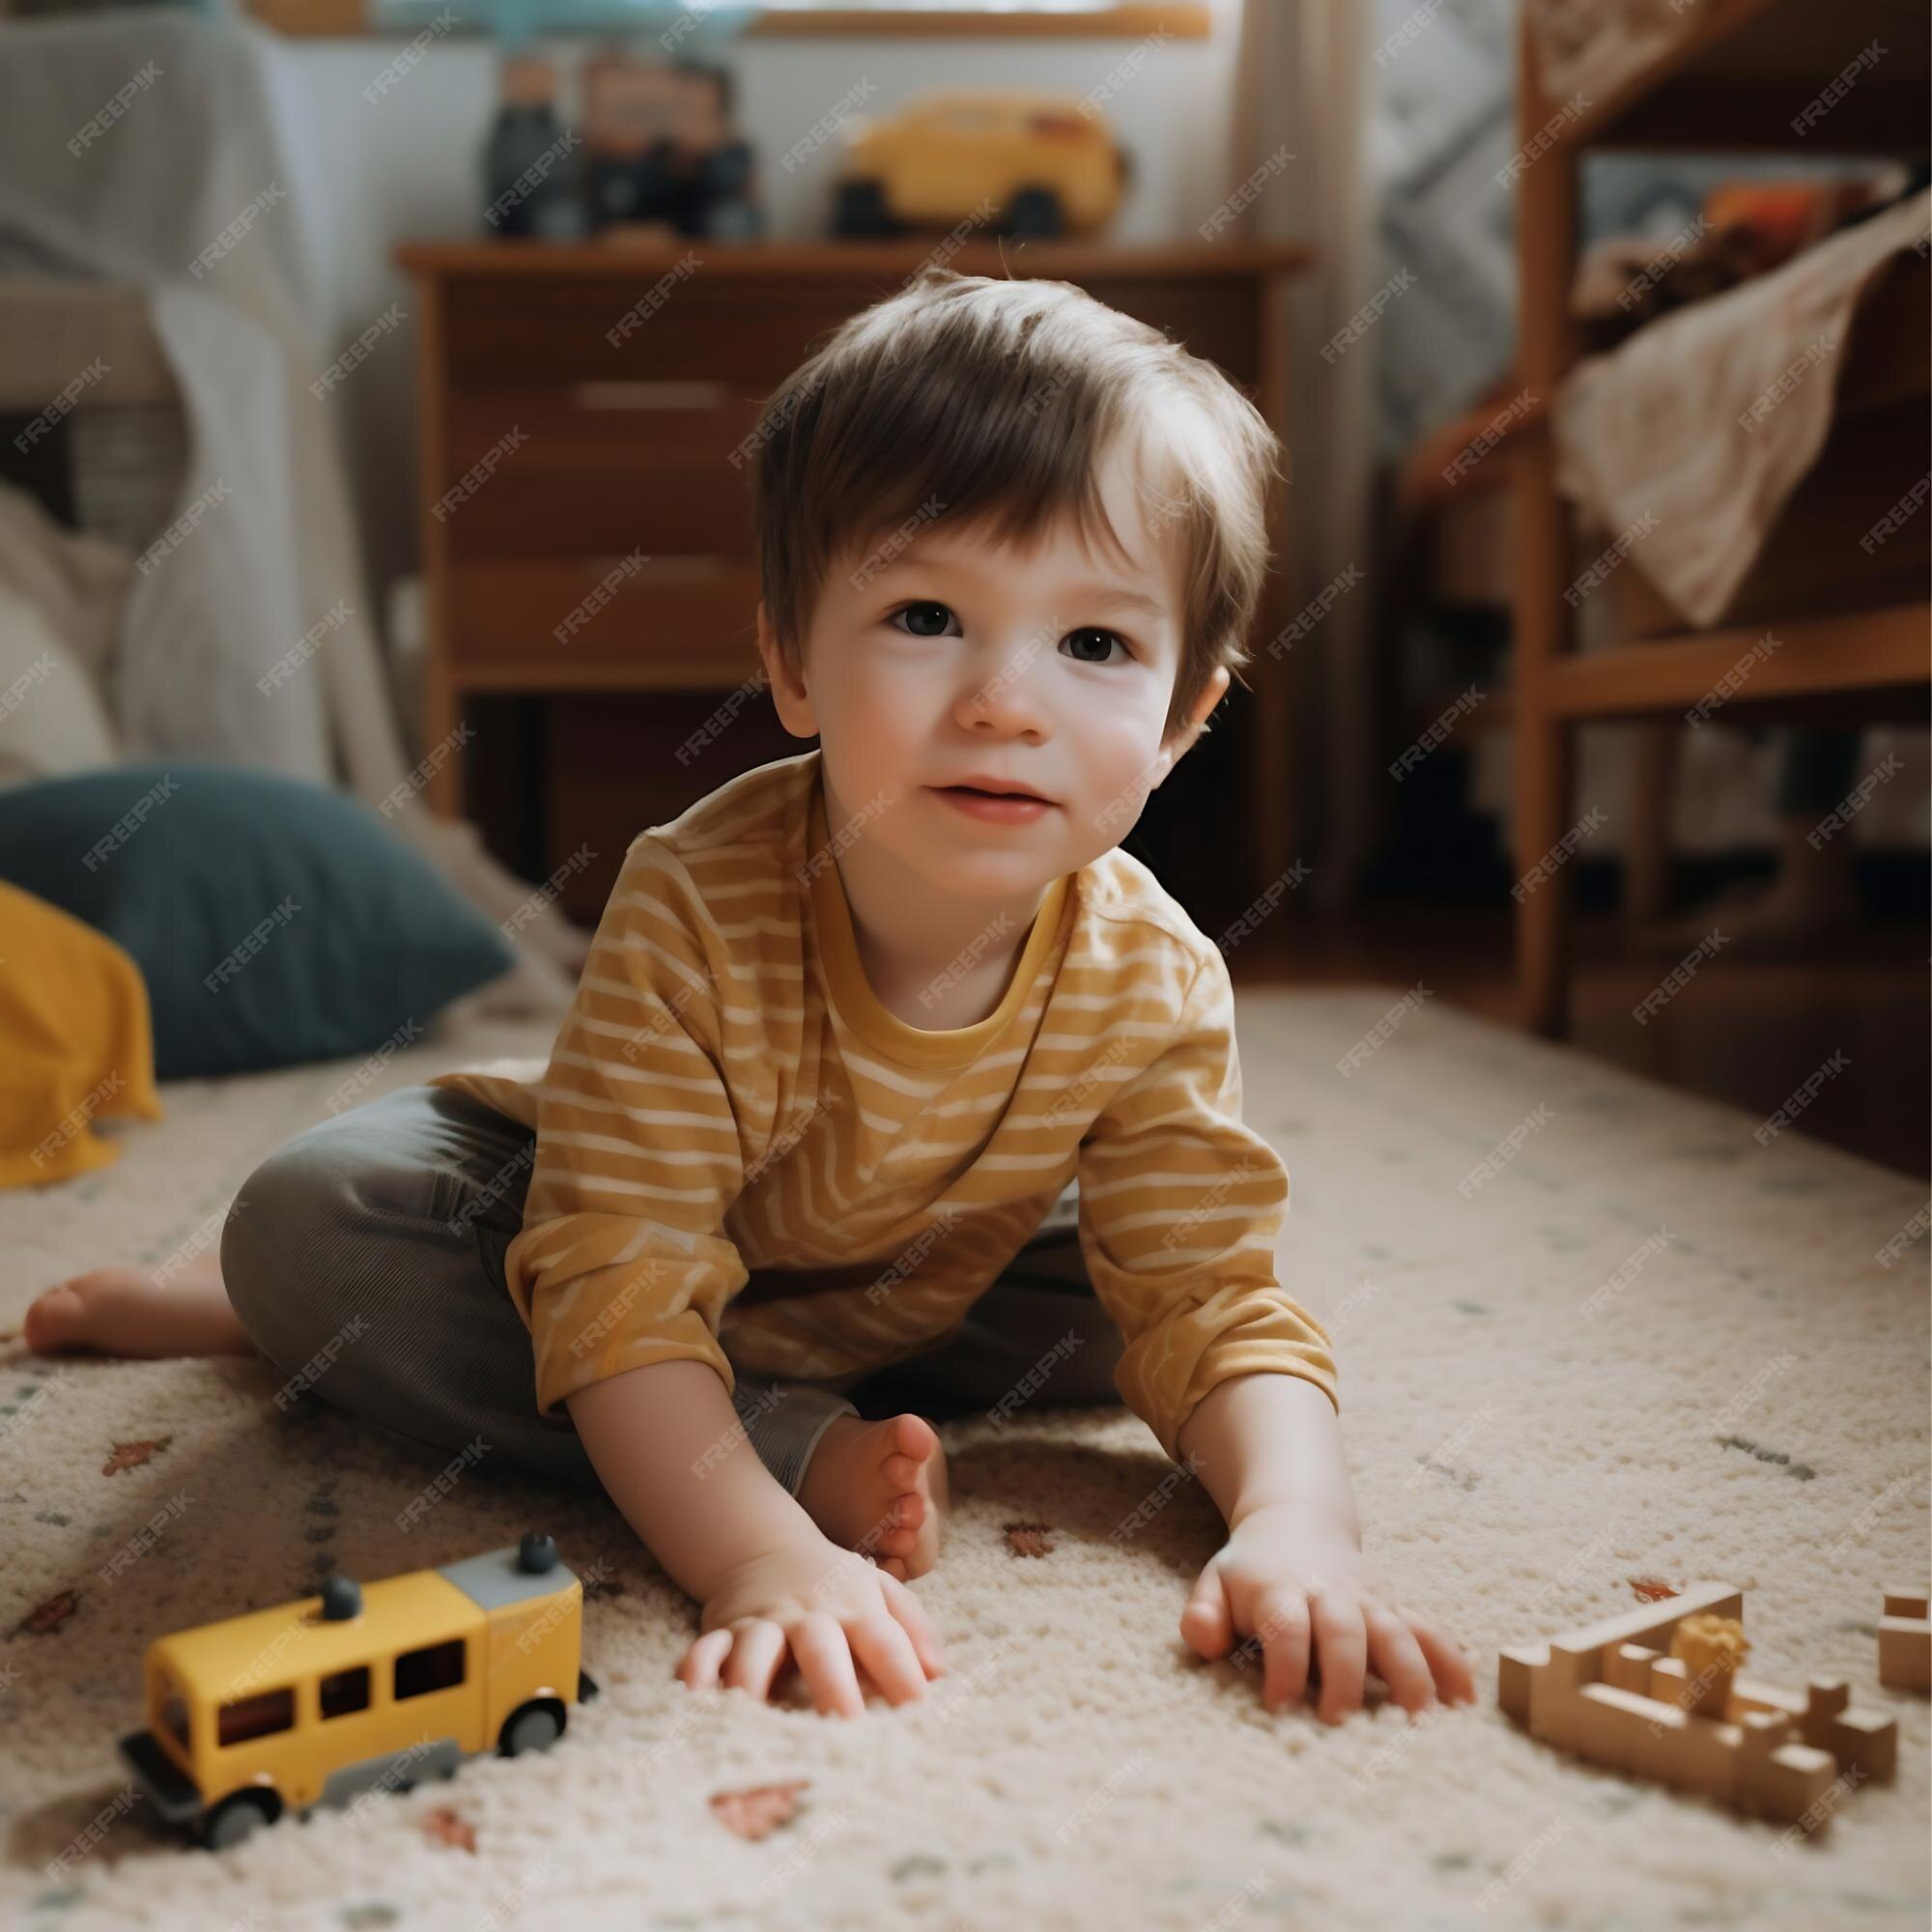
column 434, row 1667
column 725, row 20
column 258, row 1717
column 1119, row 15
column 345, row 1691
column 174, row 1715
column 1114, row 19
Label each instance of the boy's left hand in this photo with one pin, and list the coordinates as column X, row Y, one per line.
column 1293, row 1583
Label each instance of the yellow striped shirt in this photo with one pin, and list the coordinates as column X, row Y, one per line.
column 742, row 1157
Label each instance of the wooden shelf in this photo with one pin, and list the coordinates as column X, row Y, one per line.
column 1744, row 70
column 891, row 260
column 1737, row 75
column 1178, row 19
column 1861, row 650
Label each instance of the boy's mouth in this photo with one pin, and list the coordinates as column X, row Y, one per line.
column 995, row 808
column 995, row 790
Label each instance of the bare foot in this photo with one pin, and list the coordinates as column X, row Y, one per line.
column 880, row 1485
column 126, row 1311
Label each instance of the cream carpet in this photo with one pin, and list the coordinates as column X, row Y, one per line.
column 1749, row 1401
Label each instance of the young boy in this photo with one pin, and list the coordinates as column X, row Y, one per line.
column 884, row 1055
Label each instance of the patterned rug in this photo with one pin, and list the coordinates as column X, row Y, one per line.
column 1597, row 1339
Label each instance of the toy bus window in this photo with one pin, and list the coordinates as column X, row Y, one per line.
column 345, row 1691
column 174, row 1716
column 257, row 1717
column 434, row 1667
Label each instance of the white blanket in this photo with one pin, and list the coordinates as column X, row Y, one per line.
column 137, row 147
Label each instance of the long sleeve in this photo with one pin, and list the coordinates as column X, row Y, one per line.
column 637, row 1157
column 1181, row 1204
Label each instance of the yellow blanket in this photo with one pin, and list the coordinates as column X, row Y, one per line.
column 74, row 1043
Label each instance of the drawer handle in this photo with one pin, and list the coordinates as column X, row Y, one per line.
column 649, row 395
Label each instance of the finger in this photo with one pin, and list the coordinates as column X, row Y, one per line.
column 1455, row 1682
column 1399, row 1660
column 825, row 1659
column 917, row 1625
column 699, row 1668
column 1207, row 1622
column 1282, row 1627
column 893, row 1565
column 1343, row 1646
column 886, row 1651
column 756, row 1656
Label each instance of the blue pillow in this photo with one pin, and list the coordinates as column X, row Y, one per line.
column 273, row 921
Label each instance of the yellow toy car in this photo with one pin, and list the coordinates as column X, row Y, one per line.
column 320, row 1700
column 1020, row 163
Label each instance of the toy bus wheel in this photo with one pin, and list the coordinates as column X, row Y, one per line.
column 234, row 1819
column 1035, row 211
column 860, row 208
column 531, row 1727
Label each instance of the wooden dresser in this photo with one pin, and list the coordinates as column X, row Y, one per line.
column 587, row 542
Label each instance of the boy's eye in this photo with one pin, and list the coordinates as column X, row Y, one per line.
column 927, row 619
column 1106, row 640
column 923, row 619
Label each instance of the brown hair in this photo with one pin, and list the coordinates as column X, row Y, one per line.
column 963, row 398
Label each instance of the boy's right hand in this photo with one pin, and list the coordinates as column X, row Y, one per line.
column 830, row 1609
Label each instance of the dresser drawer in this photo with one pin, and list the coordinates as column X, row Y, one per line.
column 750, row 331
column 598, row 468
column 665, row 624
column 754, row 330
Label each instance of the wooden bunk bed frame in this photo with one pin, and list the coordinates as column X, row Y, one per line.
column 1727, row 83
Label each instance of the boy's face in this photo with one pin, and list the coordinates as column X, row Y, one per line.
column 933, row 658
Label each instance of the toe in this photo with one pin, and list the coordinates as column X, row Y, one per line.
column 56, row 1321
column 914, row 1436
column 909, row 1510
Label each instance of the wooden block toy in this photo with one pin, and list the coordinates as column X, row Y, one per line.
column 1905, row 1642
column 356, row 1691
column 1657, row 1692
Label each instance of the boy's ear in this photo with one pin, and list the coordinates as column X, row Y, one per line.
column 1182, row 742
column 789, row 697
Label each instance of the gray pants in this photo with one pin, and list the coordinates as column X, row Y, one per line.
column 366, row 1261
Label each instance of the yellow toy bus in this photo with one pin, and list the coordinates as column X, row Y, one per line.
column 322, row 1700
column 1038, row 163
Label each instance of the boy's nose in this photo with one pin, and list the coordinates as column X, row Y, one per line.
column 1009, row 696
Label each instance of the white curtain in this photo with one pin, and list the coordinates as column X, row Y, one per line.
column 1302, row 83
